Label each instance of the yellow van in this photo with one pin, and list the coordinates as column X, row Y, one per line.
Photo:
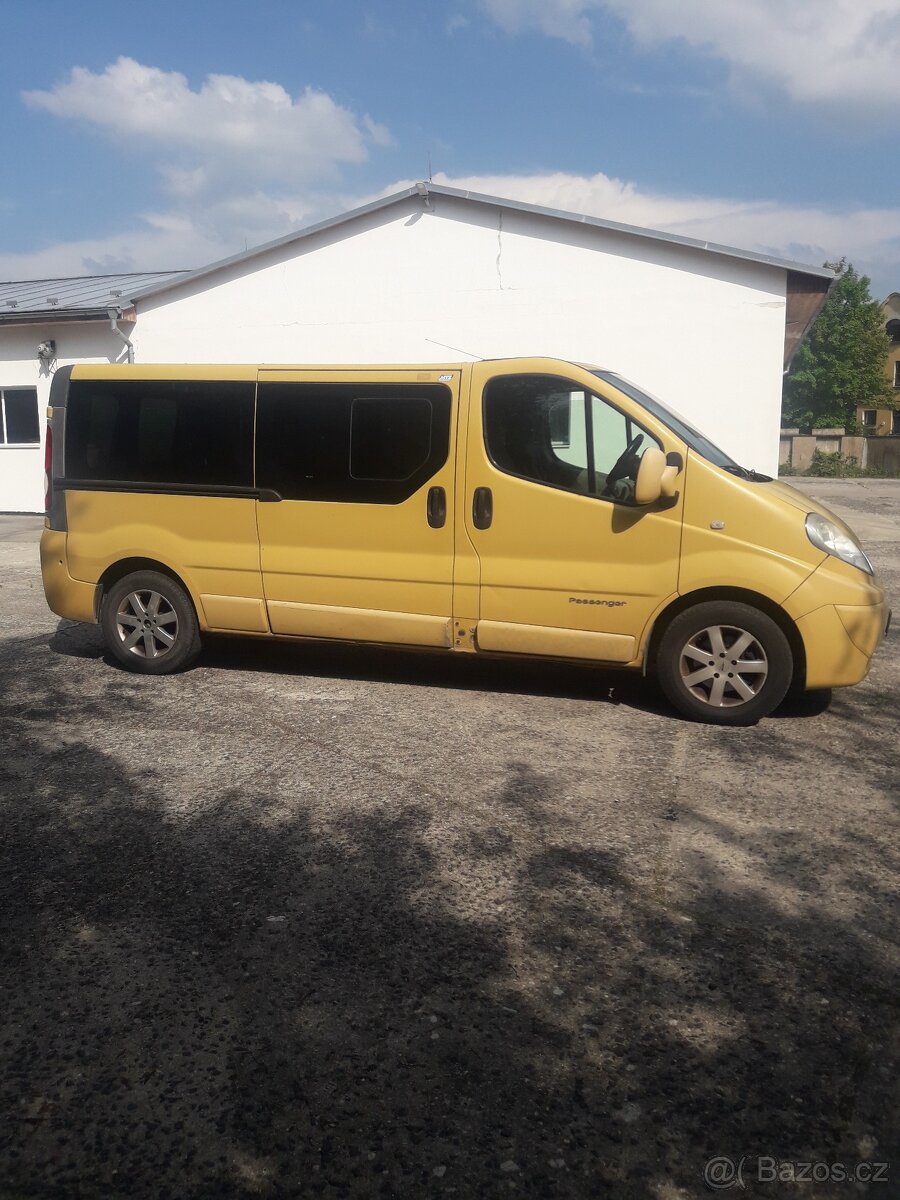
column 518, row 507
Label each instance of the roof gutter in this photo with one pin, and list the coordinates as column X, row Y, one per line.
column 45, row 316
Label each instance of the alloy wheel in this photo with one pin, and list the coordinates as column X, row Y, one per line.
column 147, row 624
column 723, row 666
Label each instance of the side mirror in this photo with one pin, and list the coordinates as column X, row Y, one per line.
column 655, row 478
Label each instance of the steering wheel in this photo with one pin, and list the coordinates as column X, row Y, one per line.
column 620, row 467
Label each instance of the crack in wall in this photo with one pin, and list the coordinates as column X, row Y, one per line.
column 500, row 251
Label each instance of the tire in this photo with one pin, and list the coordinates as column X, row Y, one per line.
column 735, row 636
column 149, row 624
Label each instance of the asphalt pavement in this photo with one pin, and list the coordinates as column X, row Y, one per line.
column 331, row 922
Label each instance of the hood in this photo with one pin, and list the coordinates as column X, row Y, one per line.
column 805, row 503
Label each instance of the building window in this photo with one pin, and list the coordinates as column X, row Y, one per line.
column 897, row 373
column 19, row 424
column 895, row 422
column 868, row 418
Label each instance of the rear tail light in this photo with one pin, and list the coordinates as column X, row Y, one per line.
column 48, row 469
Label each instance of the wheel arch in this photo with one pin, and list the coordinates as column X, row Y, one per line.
column 741, row 596
column 126, row 566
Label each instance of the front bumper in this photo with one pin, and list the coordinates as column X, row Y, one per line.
column 840, row 640
column 842, row 615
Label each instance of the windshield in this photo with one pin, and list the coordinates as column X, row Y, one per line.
column 677, row 424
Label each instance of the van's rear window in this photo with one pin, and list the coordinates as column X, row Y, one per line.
column 161, row 432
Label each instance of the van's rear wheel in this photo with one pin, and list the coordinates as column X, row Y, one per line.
column 724, row 663
column 149, row 624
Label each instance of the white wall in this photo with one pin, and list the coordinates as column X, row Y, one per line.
column 22, row 468
column 703, row 332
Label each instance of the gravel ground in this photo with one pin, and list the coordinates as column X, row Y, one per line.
column 350, row 923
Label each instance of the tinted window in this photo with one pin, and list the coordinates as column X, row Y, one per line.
column 363, row 443
column 167, row 432
column 390, row 439
column 19, row 416
column 549, row 431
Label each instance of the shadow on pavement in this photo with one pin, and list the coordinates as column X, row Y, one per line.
column 323, row 660
column 229, row 999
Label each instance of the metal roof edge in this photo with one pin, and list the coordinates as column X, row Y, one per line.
column 75, row 278
column 295, row 236
column 657, row 235
column 425, row 189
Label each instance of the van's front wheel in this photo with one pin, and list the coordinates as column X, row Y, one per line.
column 149, row 624
column 724, row 663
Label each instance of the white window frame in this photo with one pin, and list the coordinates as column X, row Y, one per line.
column 18, row 387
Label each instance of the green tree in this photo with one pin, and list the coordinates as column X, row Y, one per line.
column 841, row 362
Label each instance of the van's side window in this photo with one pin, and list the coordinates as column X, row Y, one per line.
column 390, row 438
column 353, row 443
column 198, row 434
column 549, row 431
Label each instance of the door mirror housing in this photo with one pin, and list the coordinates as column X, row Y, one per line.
column 655, row 478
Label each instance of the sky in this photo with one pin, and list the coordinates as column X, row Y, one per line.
column 164, row 135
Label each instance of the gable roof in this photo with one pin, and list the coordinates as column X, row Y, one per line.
column 427, row 190
column 83, row 298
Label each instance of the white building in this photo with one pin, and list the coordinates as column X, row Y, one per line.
column 436, row 274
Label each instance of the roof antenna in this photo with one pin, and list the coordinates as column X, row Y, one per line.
column 444, row 346
column 429, row 167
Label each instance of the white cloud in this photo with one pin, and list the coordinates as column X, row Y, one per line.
column 239, row 163
column 175, row 238
column 566, row 19
column 152, row 246
column 380, row 134
column 229, row 126
column 823, row 52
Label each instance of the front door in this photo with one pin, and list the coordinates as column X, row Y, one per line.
column 569, row 565
column 356, row 514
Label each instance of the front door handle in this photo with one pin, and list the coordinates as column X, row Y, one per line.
column 436, row 507
column 482, row 508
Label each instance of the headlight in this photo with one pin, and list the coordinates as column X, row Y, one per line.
column 832, row 539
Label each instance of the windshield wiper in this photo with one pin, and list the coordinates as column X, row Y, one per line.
column 748, row 473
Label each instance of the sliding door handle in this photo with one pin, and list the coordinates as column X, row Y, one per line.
column 482, row 508
column 436, row 507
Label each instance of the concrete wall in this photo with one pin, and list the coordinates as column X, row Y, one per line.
column 22, row 468
column 884, row 453
column 702, row 332
column 879, row 453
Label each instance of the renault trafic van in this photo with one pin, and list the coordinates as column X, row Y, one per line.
column 526, row 507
